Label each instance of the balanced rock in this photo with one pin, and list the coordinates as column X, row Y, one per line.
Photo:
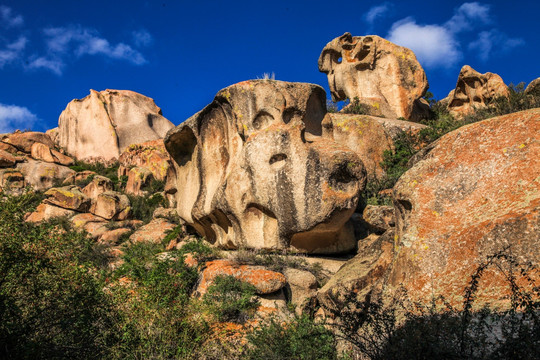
column 43, row 175
column 151, row 155
column 476, row 194
column 251, row 169
column 474, row 91
column 105, row 123
column 111, row 205
column 382, row 75
column 68, row 197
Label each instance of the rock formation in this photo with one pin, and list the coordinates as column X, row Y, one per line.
column 382, row 75
column 251, row 169
column 105, row 123
column 475, row 194
column 474, row 91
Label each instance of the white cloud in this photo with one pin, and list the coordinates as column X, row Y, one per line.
column 12, row 51
column 467, row 16
column 433, row 45
column 438, row 45
column 62, row 42
column 142, row 38
column 493, row 42
column 376, row 12
column 14, row 117
column 8, row 19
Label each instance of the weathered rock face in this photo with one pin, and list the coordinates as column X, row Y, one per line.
column 41, row 151
column 151, row 155
column 23, row 141
column 104, row 123
column 475, row 194
column 379, row 73
column 7, row 159
column 251, row 169
column 474, row 91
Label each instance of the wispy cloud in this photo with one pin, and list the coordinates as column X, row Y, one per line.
column 65, row 42
column 375, row 12
column 14, row 117
column 8, row 19
column 142, row 38
column 494, row 42
column 12, row 51
column 438, row 45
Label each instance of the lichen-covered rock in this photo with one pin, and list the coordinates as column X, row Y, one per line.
column 474, row 195
column 105, row 123
column 138, row 178
column 46, row 212
column 68, row 197
column 264, row 280
column 41, row 151
column 155, row 231
column 23, row 141
column 379, row 218
column 111, row 205
column 363, row 134
column 382, row 75
column 43, row 175
column 151, row 155
column 474, row 91
column 251, row 169
column 302, row 285
column 98, row 185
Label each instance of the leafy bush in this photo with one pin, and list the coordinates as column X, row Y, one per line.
column 300, row 338
column 230, row 299
column 142, row 207
column 51, row 304
column 200, row 250
column 356, row 107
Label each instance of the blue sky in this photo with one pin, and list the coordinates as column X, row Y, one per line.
column 181, row 53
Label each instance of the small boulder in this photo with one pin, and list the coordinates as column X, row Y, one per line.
column 68, row 197
column 112, row 237
column 7, row 160
column 41, row 151
column 155, row 231
column 138, row 177
column 302, row 285
column 46, row 212
column 111, row 205
column 94, row 225
column 379, row 218
column 74, row 178
column 12, row 181
column 264, row 280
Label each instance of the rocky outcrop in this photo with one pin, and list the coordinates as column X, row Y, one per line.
column 474, row 91
column 382, row 75
column 474, row 195
column 251, row 169
column 23, row 141
column 105, row 123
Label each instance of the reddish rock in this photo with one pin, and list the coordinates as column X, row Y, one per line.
column 43, row 175
column 76, row 177
column 265, row 281
column 97, row 186
column 111, row 205
column 112, row 237
column 9, row 148
column 23, row 141
column 379, row 218
column 151, row 155
column 138, row 177
column 41, row 151
column 11, row 181
column 94, row 225
column 475, row 194
column 155, row 231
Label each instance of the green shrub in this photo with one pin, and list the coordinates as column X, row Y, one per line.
column 230, row 299
column 356, row 107
column 200, row 250
column 300, row 338
column 143, row 207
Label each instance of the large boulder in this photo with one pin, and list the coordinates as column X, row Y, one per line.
column 473, row 199
column 111, row 205
column 23, row 141
column 383, row 75
column 105, row 123
column 7, row 159
column 251, row 169
column 43, row 175
column 474, row 91
column 46, row 212
column 68, row 197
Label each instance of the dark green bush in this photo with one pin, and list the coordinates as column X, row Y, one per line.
column 300, row 338
column 230, row 299
column 356, row 107
column 143, row 207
